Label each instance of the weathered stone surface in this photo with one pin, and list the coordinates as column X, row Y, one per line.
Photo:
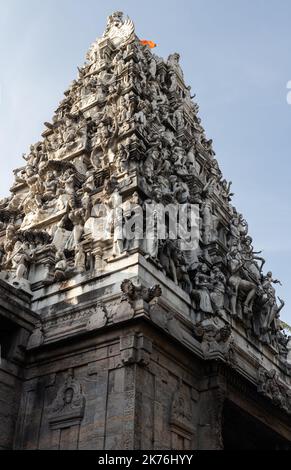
column 117, row 342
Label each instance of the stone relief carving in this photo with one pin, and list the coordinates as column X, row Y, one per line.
column 37, row 337
column 129, row 130
column 98, row 317
column 270, row 385
column 134, row 292
column 69, row 405
column 215, row 341
column 181, row 412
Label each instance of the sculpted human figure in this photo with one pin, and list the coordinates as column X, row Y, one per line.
column 115, row 203
column 208, row 146
column 80, row 259
column 173, row 82
column 122, row 156
column 50, row 186
column 9, row 242
column 203, row 285
column 68, row 134
column 140, row 115
column 68, row 183
column 209, row 222
column 35, row 185
column 183, row 277
column 218, row 289
column 152, row 67
column 150, row 163
column 129, row 104
column 270, row 308
column 199, row 131
column 234, row 232
column 133, row 113
column 166, row 259
column 178, row 117
column 86, row 204
column 174, row 63
column 179, row 189
column 179, row 155
column 192, row 165
column 226, row 190
column 243, row 225
column 188, row 100
column 21, row 259
column 112, row 99
column 77, row 217
column 249, row 253
column 60, row 267
column 34, row 156
column 101, row 137
column 122, row 114
column 133, row 222
column 238, row 284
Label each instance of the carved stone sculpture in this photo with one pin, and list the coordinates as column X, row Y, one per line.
column 128, row 125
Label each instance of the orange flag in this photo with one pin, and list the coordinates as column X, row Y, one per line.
column 151, row 44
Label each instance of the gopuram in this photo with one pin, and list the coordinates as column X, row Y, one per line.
column 113, row 336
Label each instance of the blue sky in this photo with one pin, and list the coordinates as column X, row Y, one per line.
column 235, row 55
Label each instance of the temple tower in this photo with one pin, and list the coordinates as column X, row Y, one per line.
column 135, row 313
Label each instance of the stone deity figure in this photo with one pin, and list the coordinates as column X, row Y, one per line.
column 123, row 156
column 86, row 204
column 178, row 117
column 234, row 233
column 80, row 259
column 10, row 240
column 180, row 190
column 270, row 306
column 118, row 241
column 35, row 185
column 34, row 156
column 203, row 286
column 173, row 82
column 192, row 165
column 209, row 222
column 218, row 289
column 183, row 277
column 174, row 63
column 251, row 255
column 21, row 258
column 50, row 186
column 239, row 284
column 61, row 267
column 77, row 217
column 68, row 183
column 70, row 402
column 152, row 68
column 166, row 258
